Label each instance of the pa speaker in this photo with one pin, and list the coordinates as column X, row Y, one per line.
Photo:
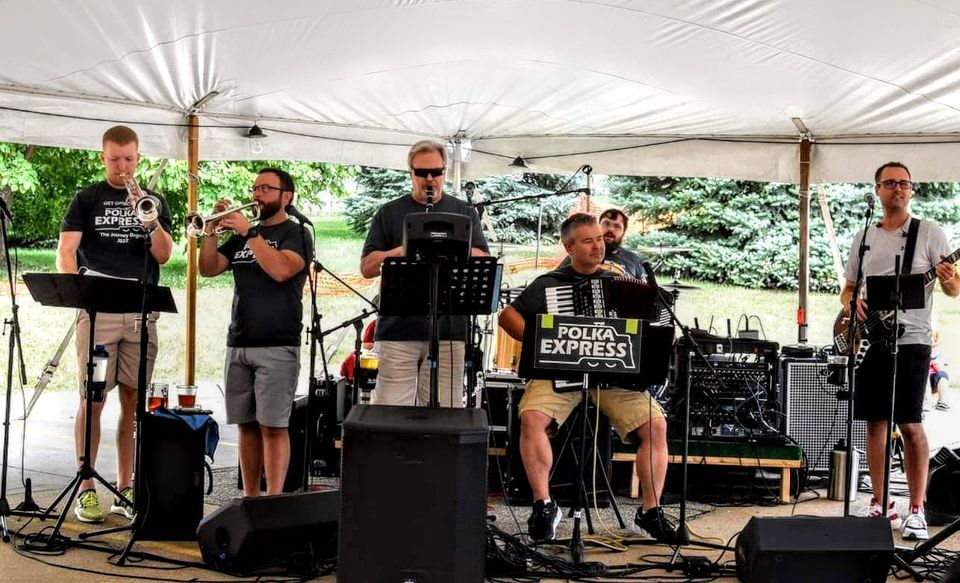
column 172, row 484
column 801, row 549
column 414, row 482
column 247, row 534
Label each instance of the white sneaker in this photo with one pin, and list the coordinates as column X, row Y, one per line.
column 875, row 511
column 915, row 526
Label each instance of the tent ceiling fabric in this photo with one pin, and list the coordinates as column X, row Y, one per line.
column 695, row 87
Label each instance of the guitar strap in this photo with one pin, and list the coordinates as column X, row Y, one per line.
column 911, row 245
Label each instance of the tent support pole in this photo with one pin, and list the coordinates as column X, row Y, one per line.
column 193, row 187
column 804, row 271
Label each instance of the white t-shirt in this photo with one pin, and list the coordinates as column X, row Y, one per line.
column 879, row 260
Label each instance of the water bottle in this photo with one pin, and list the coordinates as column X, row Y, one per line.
column 97, row 383
column 838, row 472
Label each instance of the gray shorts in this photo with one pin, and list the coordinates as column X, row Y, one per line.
column 260, row 384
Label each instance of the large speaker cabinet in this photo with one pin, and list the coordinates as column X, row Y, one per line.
column 413, row 492
column 816, row 419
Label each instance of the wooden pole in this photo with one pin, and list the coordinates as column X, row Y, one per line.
column 193, row 187
column 804, row 275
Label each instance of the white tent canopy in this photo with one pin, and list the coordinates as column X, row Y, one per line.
column 695, row 87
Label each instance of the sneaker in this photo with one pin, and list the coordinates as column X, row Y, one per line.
column 543, row 521
column 654, row 523
column 87, row 508
column 942, row 406
column 121, row 507
column 915, row 526
column 875, row 511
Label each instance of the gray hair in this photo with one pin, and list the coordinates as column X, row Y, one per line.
column 573, row 221
column 426, row 146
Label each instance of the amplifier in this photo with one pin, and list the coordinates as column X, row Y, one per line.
column 816, row 419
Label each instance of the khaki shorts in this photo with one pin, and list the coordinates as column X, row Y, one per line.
column 120, row 335
column 627, row 410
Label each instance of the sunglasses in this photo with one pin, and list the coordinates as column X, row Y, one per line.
column 424, row 172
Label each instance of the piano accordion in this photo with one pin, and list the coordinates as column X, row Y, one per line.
column 604, row 297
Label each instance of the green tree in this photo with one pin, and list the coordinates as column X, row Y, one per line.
column 514, row 222
column 747, row 233
column 40, row 188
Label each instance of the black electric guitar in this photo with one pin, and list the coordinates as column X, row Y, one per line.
column 876, row 328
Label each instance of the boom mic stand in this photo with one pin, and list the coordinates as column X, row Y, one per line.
column 682, row 536
column 14, row 351
column 317, row 386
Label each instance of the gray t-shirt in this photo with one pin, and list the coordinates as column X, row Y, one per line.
column 879, row 260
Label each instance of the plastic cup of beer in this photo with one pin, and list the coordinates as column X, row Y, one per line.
column 187, row 396
column 157, row 397
column 369, row 360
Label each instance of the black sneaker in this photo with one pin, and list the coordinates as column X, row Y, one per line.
column 654, row 523
column 543, row 521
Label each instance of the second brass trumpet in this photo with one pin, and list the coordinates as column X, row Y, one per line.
column 196, row 223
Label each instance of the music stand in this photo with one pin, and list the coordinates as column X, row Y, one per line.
column 470, row 288
column 558, row 363
column 96, row 294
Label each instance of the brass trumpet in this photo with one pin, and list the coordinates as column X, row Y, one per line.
column 145, row 206
column 197, row 224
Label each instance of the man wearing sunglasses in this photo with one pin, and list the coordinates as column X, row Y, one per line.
column 887, row 239
column 403, row 377
column 263, row 342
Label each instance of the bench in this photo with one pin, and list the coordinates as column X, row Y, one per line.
column 712, row 453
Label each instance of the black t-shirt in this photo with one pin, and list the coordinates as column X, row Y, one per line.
column 533, row 301
column 631, row 263
column 386, row 232
column 112, row 240
column 266, row 312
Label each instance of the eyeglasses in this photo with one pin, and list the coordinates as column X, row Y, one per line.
column 424, row 172
column 264, row 188
column 903, row 184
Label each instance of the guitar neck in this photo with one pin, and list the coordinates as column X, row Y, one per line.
column 931, row 273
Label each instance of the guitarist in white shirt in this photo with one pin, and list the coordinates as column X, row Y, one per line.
column 886, row 239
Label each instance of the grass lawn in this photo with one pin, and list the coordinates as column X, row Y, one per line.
column 339, row 250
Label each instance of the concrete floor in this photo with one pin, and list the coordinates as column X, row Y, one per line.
column 48, row 460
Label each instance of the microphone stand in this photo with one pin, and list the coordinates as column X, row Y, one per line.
column 14, row 352
column 851, row 360
column 682, row 536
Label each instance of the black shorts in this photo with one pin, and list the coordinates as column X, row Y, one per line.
column 872, row 398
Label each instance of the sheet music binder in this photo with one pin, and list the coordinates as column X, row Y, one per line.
column 93, row 293
column 465, row 290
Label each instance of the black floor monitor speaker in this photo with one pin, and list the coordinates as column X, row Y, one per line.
column 816, row 419
column 172, row 467
column 249, row 534
column 413, row 482
column 803, row 549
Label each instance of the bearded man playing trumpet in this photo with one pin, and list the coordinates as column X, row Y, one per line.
column 103, row 232
column 269, row 264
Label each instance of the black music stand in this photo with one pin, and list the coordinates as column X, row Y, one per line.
column 636, row 334
column 471, row 287
column 894, row 293
column 97, row 294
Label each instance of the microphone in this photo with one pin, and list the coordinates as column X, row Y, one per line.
column 870, row 199
column 293, row 212
column 651, row 279
column 469, row 189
